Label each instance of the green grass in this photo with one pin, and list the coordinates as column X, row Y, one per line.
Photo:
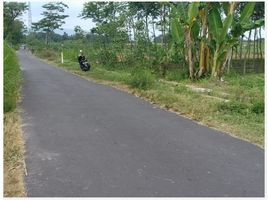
column 12, row 78
column 235, row 105
column 141, row 79
column 13, row 139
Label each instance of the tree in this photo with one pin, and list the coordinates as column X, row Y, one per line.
column 13, row 28
column 79, row 33
column 186, row 29
column 53, row 19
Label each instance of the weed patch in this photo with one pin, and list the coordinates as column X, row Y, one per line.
column 13, row 156
column 142, row 79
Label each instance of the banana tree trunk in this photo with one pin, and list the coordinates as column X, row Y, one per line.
column 247, row 54
column 260, row 41
column 189, row 53
column 254, row 46
column 214, row 73
column 202, row 63
column 46, row 38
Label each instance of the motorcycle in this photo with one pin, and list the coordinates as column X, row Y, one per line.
column 84, row 65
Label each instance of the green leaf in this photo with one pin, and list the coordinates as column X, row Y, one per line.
column 215, row 23
column 181, row 7
column 192, row 12
column 195, row 30
column 259, row 23
column 225, row 6
column 247, row 12
column 177, row 31
column 226, row 25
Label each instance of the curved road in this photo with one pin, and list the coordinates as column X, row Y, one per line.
column 89, row 140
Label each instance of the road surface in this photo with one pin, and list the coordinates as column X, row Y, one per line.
column 89, row 140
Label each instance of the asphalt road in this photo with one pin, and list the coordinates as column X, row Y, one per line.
column 89, row 140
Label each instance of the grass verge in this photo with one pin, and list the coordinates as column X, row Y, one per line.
column 14, row 163
column 235, row 106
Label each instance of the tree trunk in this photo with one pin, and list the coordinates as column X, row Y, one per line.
column 164, row 26
column 257, row 45
column 202, row 63
column 230, row 63
column 247, row 54
column 189, row 53
column 241, row 47
column 214, row 72
column 154, row 30
column 260, row 40
column 46, row 38
column 227, row 61
column 254, row 47
column 147, row 27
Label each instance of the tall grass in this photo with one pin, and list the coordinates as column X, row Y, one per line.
column 12, row 78
column 14, row 164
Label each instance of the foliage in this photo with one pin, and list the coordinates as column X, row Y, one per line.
column 142, row 79
column 201, row 35
column 11, row 78
column 13, row 27
column 53, row 19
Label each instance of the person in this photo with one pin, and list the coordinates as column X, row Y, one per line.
column 81, row 56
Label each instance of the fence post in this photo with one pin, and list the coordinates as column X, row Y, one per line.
column 62, row 53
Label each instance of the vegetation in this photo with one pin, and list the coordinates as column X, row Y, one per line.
column 200, row 41
column 13, row 141
column 52, row 19
column 14, row 165
column 13, row 28
column 11, row 79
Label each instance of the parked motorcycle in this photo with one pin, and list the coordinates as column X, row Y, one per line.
column 84, row 65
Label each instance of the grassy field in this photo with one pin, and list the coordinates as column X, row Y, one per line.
column 14, row 165
column 234, row 106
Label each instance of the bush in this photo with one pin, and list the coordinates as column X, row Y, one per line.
column 142, row 79
column 234, row 107
column 177, row 74
column 11, row 78
column 258, row 107
column 49, row 54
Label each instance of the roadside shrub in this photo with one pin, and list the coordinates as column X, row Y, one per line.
column 49, row 54
column 177, row 74
column 258, row 107
column 142, row 79
column 234, row 107
column 11, row 78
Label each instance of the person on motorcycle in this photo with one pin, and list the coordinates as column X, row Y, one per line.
column 81, row 56
column 84, row 64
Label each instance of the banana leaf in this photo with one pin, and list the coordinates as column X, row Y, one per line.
column 177, row 31
column 247, row 12
column 192, row 12
column 215, row 24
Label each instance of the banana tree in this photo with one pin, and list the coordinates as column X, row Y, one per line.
column 220, row 42
column 185, row 29
column 203, row 52
column 225, row 32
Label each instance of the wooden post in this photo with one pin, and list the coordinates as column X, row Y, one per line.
column 62, row 54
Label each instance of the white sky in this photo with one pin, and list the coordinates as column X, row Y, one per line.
column 75, row 8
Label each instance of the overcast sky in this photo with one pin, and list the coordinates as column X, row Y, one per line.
column 75, row 8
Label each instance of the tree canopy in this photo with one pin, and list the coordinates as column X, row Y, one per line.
column 53, row 18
